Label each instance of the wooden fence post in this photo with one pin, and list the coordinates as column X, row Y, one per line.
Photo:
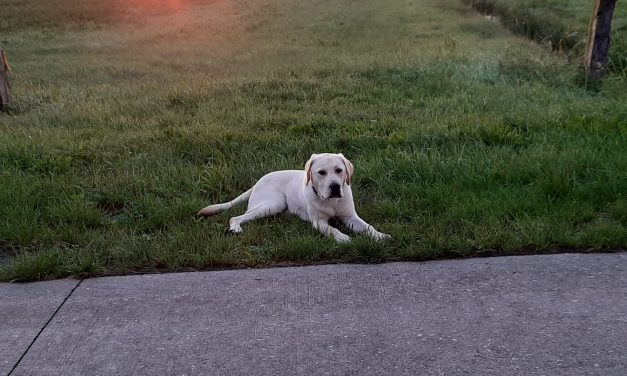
column 599, row 39
column 5, row 88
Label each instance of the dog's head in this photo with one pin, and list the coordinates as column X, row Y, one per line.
column 328, row 173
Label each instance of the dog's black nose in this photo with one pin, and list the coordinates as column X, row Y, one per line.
column 335, row 190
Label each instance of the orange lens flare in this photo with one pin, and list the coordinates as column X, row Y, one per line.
column 171, row 5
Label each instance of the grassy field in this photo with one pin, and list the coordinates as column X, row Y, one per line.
column 129, row 116
column 563, row 24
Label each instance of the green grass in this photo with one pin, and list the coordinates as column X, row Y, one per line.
column 563, row 24
column 466, row 138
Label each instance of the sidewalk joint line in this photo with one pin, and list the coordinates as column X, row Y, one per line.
column 44, row 327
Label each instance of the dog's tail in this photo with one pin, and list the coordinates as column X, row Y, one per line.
column 217, row 208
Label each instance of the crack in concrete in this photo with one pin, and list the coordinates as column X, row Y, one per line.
column 44, row 327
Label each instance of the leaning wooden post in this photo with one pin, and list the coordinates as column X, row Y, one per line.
column 599, row 39
column 5, row 88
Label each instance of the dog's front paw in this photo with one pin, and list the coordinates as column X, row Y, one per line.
column 380, row 237
column 342, row 238
column 235, row 229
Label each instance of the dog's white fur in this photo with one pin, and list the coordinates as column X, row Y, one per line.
column 319, row 193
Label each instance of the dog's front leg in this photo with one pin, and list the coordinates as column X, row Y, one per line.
column 359, row 225
column 322, row 225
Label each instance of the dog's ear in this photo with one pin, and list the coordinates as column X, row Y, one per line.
column 308, row 169
column 350, row 169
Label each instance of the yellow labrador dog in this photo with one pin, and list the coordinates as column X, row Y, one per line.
column 319, row 193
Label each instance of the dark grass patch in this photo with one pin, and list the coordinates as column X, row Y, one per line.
column 35, row 162
column 551, row 23
column 539, row 25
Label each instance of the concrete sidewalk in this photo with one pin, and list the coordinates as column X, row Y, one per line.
column 530, row 315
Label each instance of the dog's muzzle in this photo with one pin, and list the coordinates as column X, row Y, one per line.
column 335, row 189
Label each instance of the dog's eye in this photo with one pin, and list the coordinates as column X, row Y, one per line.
column 338, row 170
column 322, row 172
